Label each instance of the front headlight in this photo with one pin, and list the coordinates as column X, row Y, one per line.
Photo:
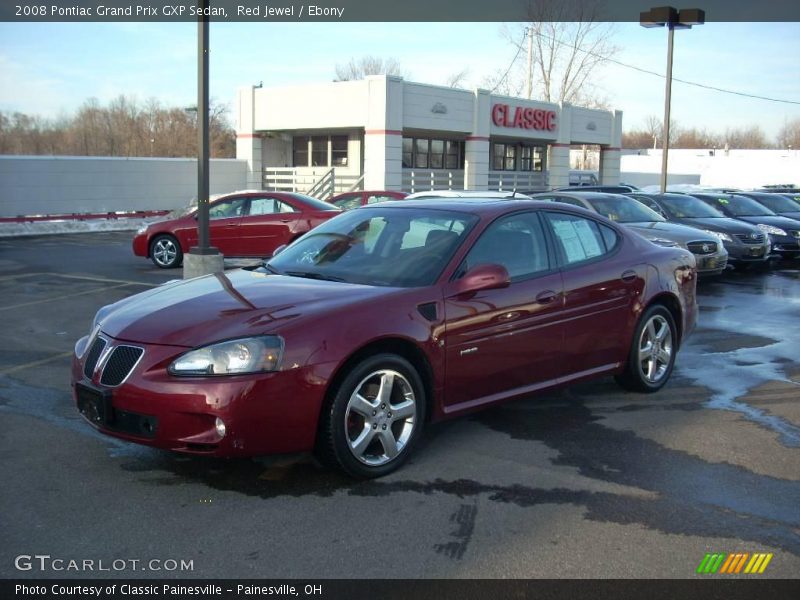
column 770, row 229
column 723, row 236
column 233, row 357
column 665, row 243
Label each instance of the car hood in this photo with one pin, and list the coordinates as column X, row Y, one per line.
column 722, row 224
column 774, row 220
column 670, row 231
column 223, row 306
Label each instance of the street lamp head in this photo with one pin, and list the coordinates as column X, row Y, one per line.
column 691, row 16
column 658, row 16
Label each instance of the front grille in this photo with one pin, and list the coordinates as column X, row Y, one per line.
column 95, row 351
column 120, row 364
column 702, row 247
column 750, row 238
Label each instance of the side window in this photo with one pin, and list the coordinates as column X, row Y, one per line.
column 285, row 207
column 649, row 203
column 227, row 209
column 517, row 242
column 263, row 206
column 581, row 239
column 349, row 201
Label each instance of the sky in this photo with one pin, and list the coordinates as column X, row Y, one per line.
column 50, row 69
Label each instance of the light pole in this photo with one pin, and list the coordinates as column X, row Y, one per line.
column 673, row 19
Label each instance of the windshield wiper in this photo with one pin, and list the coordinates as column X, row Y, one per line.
column 313, row 275
column 269, row 267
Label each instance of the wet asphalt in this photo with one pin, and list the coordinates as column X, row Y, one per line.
column 588, row 481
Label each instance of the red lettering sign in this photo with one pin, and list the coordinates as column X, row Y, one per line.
column 524, row 118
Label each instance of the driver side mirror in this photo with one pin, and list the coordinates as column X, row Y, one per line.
column 483, row 277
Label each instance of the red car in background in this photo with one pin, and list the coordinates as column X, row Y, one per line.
column 350, row 200
column 241, row 224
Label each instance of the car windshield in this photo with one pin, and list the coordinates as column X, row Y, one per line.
column 393, row 247
column 316, row 203
column 740, row 206
column 625, row 210
column 778, row 203
column 688, row 207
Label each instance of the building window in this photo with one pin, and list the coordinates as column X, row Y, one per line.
column 424, row 153
column 300, row 151
column 530, row 158
column 504, row 157
column 421, row 159
column 319, row 151
column 339, row 150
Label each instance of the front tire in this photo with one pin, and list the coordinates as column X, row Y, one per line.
column 165, row 252
column 370, row 426
column 652, row 354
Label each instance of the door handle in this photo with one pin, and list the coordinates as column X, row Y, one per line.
column 285, row 220
column 546, row 297
column 629, row 276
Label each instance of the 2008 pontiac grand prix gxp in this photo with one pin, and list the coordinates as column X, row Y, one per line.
column 379, row 320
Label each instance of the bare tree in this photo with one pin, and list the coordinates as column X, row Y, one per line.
column 457, row 79
column 569, row 44
column 789, row 135
column 750, row 137
column 123, row 128
column 368, row 65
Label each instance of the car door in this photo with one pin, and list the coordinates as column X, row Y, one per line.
column 505, row 341
column 270, row 222
column 224, row 216
column 601, row 286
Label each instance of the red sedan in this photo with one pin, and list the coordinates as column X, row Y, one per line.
column 380, row 320
column 240, row 224
column 349, row 200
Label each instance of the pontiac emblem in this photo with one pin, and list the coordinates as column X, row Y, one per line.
column 754, row 236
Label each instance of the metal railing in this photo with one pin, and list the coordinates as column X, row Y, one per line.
column 322, row 182
column 505, row 181
column 417, row 180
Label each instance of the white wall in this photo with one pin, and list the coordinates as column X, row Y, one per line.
column 736, row 168
column 32, row 185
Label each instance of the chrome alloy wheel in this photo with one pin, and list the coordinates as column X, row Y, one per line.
column 380, row 417
column 164, row 251
column 655, row 349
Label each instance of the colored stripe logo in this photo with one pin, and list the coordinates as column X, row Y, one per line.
column 732, row 564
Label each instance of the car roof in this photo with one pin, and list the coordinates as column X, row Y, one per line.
column 465, row 194
column 584, row 195
column 467, row 205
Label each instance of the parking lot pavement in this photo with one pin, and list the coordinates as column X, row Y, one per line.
column 589, row 481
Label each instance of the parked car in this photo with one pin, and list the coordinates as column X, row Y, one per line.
column 784, row 233
column 622, row 188
column 711, row 256
column 780, row 204
column 241, row 224
column 349, row 200
column 745, row 243
column 379, row 320
column 467, row 194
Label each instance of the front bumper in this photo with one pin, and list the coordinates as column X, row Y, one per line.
column 263, row 413
column 140, row 245
column 711, row 264
column 748, row 253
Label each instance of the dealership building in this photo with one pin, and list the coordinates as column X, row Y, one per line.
column 383, row 132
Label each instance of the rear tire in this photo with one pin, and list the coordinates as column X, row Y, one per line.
column 652, row 353
column 165, row 252
column 375, row 417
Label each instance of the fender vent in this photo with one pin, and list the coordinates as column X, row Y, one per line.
column 428, row 310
